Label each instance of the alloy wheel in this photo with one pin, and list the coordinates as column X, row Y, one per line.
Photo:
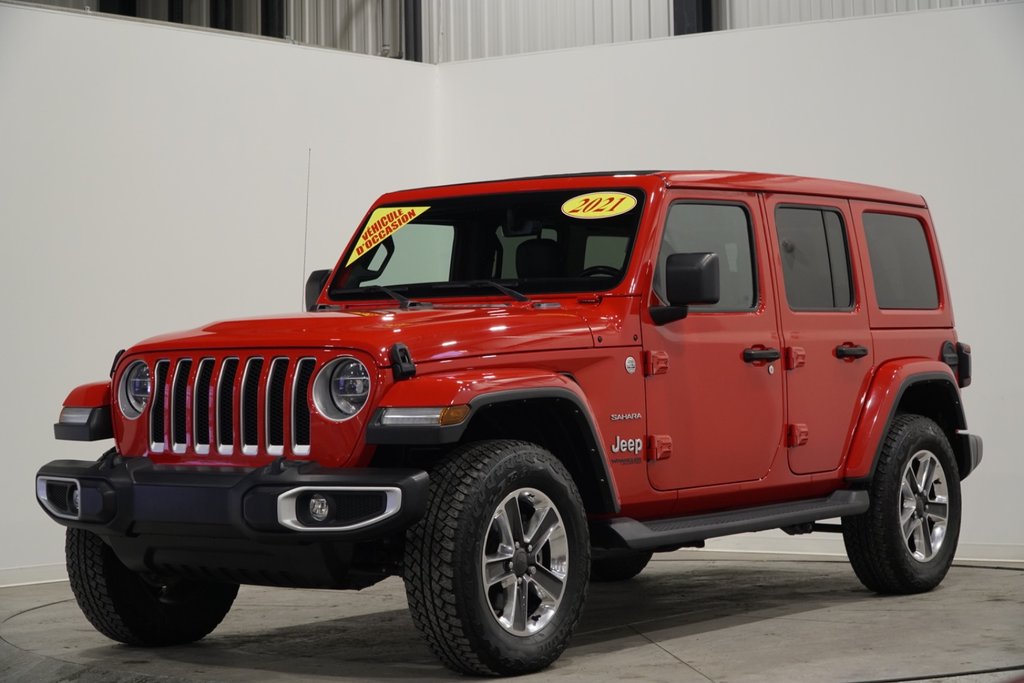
column 525, row 562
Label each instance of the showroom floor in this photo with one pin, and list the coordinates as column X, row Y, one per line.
column 691, row 616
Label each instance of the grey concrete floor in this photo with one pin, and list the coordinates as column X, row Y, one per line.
column 691, row 616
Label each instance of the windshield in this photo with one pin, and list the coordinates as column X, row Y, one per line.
column 494, row 245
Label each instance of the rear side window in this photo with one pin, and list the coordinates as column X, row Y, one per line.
column 815, row 260
column 720, row 228
column 901, row 262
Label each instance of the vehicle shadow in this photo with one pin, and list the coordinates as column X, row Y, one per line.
column 672, row 598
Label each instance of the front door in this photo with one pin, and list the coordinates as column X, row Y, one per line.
column 713, row 386
column 828, row 348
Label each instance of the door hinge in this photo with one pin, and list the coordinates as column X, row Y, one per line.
column 655, row 363
column 796, row 357
column 659, row 447
column 797, row 435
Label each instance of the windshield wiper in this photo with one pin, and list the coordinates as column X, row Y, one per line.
column 404, row 302
column 518, row 296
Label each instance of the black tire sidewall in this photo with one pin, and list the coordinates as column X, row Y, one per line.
column 547, row 475
column 921, row 434
column 122, row 605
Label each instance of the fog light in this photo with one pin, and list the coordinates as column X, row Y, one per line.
column 319, row 508
column 76, row 501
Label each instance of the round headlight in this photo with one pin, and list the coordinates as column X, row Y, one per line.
column 342, row 388
column 136, row 387
column 350, row 386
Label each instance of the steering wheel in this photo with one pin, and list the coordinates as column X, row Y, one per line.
column 600, row 271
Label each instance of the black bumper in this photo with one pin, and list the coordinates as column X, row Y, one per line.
column 970, row 453
column 249, row 525
column 132, row 496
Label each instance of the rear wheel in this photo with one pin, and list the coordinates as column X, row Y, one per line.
column 906, row 540
column 618, row 567
column 128, row 607
column 496, row 572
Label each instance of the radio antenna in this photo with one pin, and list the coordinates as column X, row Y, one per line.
column 305, row 236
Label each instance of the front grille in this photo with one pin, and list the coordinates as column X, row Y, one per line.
column 201, row 402
column 156, row 415
column 179, row 406
column 201, row 414
column 275, row 406
column 226, row 406
column 251, row 406
column 300, row 409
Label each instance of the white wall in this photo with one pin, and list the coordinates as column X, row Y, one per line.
column 931, row 102
column 153, row 178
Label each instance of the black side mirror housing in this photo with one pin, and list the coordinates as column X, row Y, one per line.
column 689, row 279
column 315, row 285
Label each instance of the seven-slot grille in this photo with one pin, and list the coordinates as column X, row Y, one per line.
column 231, row 405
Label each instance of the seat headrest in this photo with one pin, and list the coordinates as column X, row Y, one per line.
column 538, row 258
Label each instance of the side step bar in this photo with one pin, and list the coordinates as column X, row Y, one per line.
column 625, row 532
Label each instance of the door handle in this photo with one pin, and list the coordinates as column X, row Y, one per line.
column 755, row 355
column 851, row 351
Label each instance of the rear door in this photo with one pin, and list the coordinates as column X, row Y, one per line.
column 721, row 409
column 827, row 342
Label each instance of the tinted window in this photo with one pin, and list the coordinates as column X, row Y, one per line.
column 815, row 260
column 901, row 262
column 718, row 228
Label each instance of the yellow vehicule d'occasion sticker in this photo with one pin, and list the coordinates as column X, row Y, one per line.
column 599, row 205
column 384, row 223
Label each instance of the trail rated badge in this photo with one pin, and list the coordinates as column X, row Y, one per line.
column 599, row 205
column 383, row 223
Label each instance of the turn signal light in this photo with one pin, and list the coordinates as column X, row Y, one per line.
column 424, row 417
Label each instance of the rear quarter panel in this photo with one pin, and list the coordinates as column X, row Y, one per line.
column 879, row 405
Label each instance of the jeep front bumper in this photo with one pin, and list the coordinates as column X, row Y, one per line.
column 284, row 524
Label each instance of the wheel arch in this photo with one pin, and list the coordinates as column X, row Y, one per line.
column 539, row 406
column 557, row 420
column 926, row 388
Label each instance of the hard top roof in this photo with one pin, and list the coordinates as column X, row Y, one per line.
column 721, row 180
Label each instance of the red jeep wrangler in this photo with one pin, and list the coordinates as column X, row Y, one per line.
column 504, row 390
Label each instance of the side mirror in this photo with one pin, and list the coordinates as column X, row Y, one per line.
column 315, row 285
column 689, row 279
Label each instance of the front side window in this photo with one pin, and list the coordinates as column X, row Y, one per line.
column 815, row 259
column 723, row 229
column 532, row 242
column 901, row 263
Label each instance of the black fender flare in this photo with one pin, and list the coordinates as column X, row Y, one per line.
column 594, row 465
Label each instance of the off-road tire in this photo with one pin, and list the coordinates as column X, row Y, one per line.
column 124, row 606
column 874, row 540
column 618, row 567
column 444, row 558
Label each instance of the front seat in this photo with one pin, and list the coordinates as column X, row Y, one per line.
column 539, row 258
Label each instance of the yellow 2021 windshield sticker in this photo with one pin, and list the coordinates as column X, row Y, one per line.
column 384, row 223
column 599, row 205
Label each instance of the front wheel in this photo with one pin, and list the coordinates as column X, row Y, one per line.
column 905, row 542
column 496, row 573
column 135, row 609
